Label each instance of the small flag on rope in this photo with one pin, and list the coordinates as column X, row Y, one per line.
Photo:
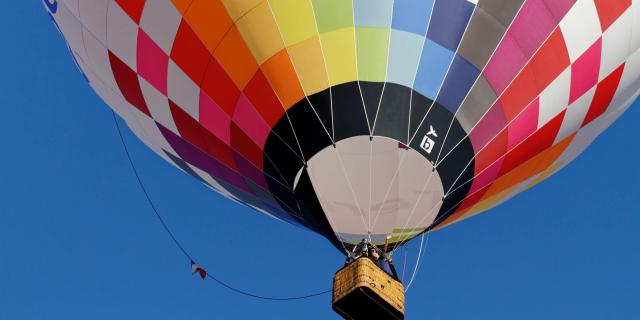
column 199, row 270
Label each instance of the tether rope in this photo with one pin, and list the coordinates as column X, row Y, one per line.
column 177, row 243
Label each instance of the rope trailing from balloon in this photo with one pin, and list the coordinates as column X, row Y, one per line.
column 177, row 243
column 419, row 258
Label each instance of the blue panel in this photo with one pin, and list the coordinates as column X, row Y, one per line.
column 434, row 64
column 412, row 15
column 372, row 13
column 459, row 80
column 448, row 22
column 404, row 55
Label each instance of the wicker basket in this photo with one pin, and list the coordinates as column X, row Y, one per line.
column 362, row 290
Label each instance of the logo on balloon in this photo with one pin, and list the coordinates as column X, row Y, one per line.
column 427, row 143
column 52, row 5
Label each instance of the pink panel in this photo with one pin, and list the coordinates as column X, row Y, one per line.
column 559, row 8
column 488, row 127
column 153, row 63
column 214, row 119
column 250, row 121
column 487, row 176
column 505, row 64
column 524, row 125
column 585, row 70
column 533, row 24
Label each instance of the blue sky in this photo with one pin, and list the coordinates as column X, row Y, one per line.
column 78, row 240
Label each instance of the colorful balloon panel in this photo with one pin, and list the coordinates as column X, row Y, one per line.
column 365, row 117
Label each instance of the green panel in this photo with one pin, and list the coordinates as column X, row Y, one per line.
column 412, row 230
column 373, row 49
column 333, row 14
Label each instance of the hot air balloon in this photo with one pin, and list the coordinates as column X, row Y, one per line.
column 362, row 119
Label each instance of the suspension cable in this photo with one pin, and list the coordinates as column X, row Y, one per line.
column 177, row 243
column 419, row 258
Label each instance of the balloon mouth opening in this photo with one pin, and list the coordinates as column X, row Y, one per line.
column 375, row 188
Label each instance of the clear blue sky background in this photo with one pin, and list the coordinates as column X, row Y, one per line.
column 78, row 240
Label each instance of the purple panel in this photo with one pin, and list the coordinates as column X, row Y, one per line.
column 195, row 157
column 248, row 170
column 460, row 78
column 448, row 22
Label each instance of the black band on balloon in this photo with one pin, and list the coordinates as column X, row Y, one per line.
column 339, row 113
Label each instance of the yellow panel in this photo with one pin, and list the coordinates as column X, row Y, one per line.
column 238, row 8
column 295, row 19
column 308, row 61
column 260, row 32
column 340, row 54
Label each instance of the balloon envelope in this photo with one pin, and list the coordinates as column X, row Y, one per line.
column 365, row 117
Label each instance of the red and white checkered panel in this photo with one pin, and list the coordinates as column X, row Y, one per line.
column 493, row 95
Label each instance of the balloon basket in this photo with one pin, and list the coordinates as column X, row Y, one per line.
column 362, row 290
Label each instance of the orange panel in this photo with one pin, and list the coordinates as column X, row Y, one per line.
column 464, row 208
column 182, row 5
column 236, row 59
column 490, row 201
column 283, row 79
column 209, row 20
column 545, row 174
column 530, row 168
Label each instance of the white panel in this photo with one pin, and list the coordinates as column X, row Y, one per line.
column 616, row 44
column 588, row 134
column 575, row 115
column 184, row 92
column 160, row 20
column 635, row 37
column 630, row 81
column 554, row 98
column 151, row 132
column 213, row 182
column 581, row 28
column 122, row 35
column 71, row 29
column 111, row 97
column 72, row 5
column 98, row 59
column 93, row 14
column 158, row 105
